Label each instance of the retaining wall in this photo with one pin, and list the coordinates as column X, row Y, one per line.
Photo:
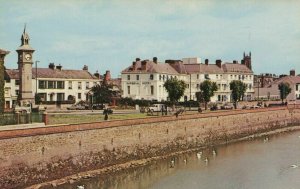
column 29, row 156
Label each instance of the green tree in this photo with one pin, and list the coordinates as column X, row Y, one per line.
column 238, row 89
column 285, row 90
column 175, row 89
column 208, row 89
column 102, row 93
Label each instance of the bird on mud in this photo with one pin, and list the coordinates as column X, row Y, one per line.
column 199, row 154
column 172, row 163
column 214, row 152
column 185, row 161
column 266, row 139
column 294, row 166
column 206, row 160
column 80, row 187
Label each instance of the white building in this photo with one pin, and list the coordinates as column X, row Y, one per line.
column 53, row 85
column 145, row 79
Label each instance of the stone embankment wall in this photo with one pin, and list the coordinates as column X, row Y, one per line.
column 30, row 156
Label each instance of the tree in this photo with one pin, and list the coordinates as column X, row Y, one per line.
column 102, row 93
column 238, row 88
column 208, row 89
column 175, row 89
column 285, row 90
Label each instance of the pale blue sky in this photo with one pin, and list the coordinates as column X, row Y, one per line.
column 109, row 35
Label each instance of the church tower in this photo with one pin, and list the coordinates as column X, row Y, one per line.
column 247, row 60
column 25, row 62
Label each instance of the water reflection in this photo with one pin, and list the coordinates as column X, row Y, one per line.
column 260, row 163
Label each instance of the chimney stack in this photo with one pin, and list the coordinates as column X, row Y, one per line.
column 107, row 75
column 52, row 66
column 235, row 61
column 292, row 72
column 133, row 65
column 206, row 61
column 219, row 63
column 97, row 74
column 85, row 67
column 59, row 67
column 155, row 60
column 144, row 65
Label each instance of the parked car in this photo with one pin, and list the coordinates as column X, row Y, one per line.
column 158, row 108
column 227, row 107
column 98, row 106
column 76, row 107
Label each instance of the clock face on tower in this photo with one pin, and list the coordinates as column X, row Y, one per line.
column 28, row 56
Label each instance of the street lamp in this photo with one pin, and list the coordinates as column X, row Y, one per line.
column 36, row 79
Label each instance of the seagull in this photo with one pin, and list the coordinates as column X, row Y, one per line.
column 80, row 187
column 294, row 166
column 199, row 154
column 206, row 160
column 214, row 152
column 266, row 139
column 185, row 161
column 172, row 163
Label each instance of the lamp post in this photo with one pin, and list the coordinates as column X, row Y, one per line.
column 36, row 80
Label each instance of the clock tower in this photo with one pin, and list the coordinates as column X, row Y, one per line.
column 25, row 62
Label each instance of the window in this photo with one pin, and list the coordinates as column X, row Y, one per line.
column 159, row 77
column 188, row 86
column 197, row 76
column 79, row 95
column 17, row 92
column 17, row 82
column 60, row 96
column 87, row 85
column 163, row 77
column 152, row 89
column 79, row 85
column 42, row 84
column 95, row 83
column 60, row 84
column 128, row 89
column 297, row 87
column 230, row 76
column 137, row 77
column 70, row 85
column 6, row 92
column 151, row 76
column 51, row 84
column 217, row 76
column 128, row 77
column 198, row 86
column 219, row 86
column 7, row 80
column 206, row 76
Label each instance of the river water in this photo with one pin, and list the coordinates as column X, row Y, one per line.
column 257, row 163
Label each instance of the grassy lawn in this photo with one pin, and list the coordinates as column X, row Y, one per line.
column 87, row 118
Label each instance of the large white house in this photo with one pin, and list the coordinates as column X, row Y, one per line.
column 52, row 84
column 145, row 79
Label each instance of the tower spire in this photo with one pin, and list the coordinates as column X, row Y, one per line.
column 24, row 28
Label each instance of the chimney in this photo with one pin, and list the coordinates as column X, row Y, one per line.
column 85, row 67
column 219, row 63
column 58, row 67
column 107, row 75
column 137, row 59
column 292, row 72
column 97, row 74
column 235, row 62
column 144, row 65
column 52, row 66
column 206, row 61
column 133, row 65
column 155, row 60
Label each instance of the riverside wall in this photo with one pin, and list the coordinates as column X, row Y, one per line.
column 35, row 155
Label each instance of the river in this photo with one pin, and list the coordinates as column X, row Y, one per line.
column 270, row 162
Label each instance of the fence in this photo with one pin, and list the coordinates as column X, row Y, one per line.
column 20, row 118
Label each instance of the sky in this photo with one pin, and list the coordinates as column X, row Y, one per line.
column 110, row 34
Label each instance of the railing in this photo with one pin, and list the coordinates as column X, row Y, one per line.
column 20, row 118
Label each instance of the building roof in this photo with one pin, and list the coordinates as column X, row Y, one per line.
column 240, row 68
column 53, row 73
column 288, row 79
column 151, row 67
